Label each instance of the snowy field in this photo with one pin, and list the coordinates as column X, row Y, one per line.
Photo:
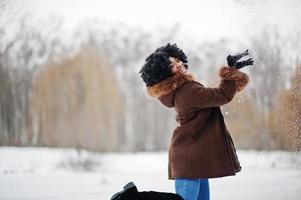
column 63, row 174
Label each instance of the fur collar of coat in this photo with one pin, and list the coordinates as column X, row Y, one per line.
column 169, row 84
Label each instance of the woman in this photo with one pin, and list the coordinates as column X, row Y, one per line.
column 201, row 146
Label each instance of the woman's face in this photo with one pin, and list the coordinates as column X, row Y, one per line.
column 176, row 65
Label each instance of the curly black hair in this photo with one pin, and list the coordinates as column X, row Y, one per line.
column 157, row 65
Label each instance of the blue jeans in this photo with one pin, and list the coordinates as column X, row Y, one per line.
column 193, row 189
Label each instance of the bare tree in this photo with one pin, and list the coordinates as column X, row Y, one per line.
column 22, row 48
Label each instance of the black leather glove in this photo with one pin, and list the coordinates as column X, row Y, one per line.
column 233, row 62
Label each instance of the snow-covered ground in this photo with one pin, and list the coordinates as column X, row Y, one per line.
column 63, row 174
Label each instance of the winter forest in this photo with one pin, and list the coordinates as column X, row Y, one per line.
column 74, row 85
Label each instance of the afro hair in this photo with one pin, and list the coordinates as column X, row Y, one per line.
column 157, row 65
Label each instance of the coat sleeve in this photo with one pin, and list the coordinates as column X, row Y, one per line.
column 197, row 95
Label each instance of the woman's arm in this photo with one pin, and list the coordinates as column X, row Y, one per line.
column 197, row 95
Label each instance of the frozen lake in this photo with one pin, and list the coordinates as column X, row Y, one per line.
column 62, row 174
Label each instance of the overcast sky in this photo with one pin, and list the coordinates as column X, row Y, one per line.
column 207, row 19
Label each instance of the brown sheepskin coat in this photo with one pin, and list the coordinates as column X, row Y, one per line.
column 201, row 146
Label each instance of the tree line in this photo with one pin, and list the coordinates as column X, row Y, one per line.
column 88, row 93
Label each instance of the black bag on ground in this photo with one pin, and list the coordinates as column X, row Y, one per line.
column 130, row 192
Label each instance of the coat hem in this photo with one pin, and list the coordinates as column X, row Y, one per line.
column 197, row 176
